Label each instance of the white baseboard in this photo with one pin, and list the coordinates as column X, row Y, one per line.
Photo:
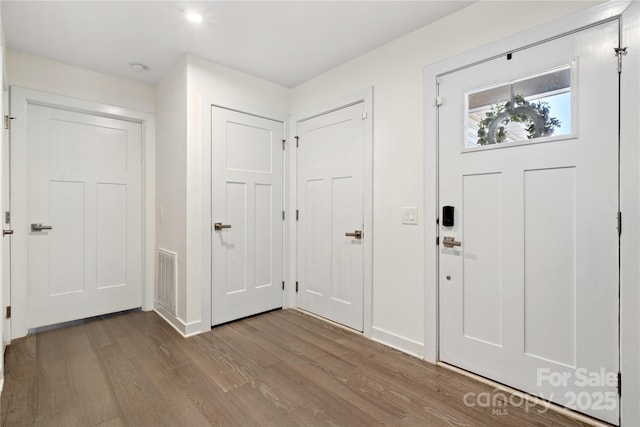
column 400, row 343
column 185, row 329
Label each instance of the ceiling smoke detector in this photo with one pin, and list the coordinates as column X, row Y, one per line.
column 139, row 68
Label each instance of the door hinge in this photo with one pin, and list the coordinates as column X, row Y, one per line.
column 283, row 143
column 296, row 286
column 297, row 141
column 364, row 115
column 7, row 313
column 437, row 101
column 297, row 214
column 283, row 285
column 7, row 121
column 437, row 240
column 283, row 215
column 7, row 217
column 619, row 384
column 620, row 52
column 619, row 223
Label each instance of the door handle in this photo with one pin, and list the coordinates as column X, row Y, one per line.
column 450, row 241
column 220, row 226
column 40, row 227
column 5, row 232
column 356, row 234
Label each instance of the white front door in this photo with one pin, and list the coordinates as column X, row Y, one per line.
column 247, row 203
column 530, row 297
column 330, row 159
column 85, row 215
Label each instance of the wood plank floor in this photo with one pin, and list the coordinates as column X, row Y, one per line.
column 281, row 368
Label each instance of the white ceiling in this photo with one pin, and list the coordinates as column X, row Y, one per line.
column 286, row 42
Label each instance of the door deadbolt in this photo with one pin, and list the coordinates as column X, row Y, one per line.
column 447, row 216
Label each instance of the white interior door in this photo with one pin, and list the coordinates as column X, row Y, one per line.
column 247, row 202
column 330, row 159
column 85, row 207
column 530, row 298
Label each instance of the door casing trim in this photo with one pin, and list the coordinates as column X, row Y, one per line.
column 628, row 13
column 20, row 99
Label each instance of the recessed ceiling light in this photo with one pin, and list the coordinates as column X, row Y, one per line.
column 194, row 17
column 139, row 68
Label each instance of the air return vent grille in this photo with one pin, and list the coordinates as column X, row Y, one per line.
column 166, row 280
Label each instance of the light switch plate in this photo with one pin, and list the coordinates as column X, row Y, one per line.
column 410, row 215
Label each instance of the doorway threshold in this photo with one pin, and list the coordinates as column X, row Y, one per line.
column 80, row 321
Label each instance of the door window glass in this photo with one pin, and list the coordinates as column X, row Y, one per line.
column 533, row 109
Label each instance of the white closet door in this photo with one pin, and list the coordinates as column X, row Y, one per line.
column 330, row 163
column 247, row 204
column 85, row 215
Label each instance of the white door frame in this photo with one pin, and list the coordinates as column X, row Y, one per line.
column 209, row 100
column 365, row 96
column 629, row 15
column 21, row 98
column 4, row 161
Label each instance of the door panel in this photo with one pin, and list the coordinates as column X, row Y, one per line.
column 236, row 253
column 482, row 292
column 550, row 271
column 330, row 197
column 85, row 182
column 111, row 227
column 533, row 288
column 262, row 253
column 247, row 196
column 66, row 245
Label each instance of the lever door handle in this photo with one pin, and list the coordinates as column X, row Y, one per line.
column 40, row 227
column 357, row 234
column 5, row 232
column 220, row 226
column 450, row 241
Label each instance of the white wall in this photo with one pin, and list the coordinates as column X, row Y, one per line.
column 395, row 72
column 171, row 164
column 54, row 77
column 184, row 100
